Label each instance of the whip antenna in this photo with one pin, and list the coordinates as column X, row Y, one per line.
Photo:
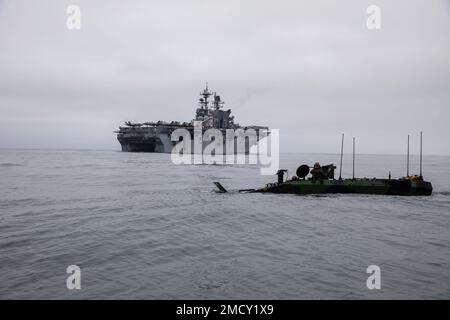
column 407, row 158
column 342, row 152
column 421, row 135
column 354, row 158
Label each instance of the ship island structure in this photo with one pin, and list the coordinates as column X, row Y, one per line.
column 156, row 136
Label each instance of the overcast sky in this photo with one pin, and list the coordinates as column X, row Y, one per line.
column 310, row 68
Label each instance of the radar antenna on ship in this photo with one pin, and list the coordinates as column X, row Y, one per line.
column 218, row 103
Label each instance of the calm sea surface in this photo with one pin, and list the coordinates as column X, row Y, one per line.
column 141, row 227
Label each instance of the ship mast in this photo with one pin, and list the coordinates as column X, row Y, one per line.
column 204, row 103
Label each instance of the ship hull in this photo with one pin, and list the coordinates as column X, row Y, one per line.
column 358, row 186
column 161, row 144
column 144, row 145
column 149, row 139
column 158, row 140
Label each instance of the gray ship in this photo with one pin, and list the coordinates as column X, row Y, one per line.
column 156, row 136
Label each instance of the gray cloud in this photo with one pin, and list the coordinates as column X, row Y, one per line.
column 311, row 69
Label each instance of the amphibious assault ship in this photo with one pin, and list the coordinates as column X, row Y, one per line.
column 156, row 136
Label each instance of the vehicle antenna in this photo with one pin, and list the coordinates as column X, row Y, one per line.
column 407, row 158
column 354, row 158
column 421, row 135
column 342, row 152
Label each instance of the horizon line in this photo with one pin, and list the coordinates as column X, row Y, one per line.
column 283, row 152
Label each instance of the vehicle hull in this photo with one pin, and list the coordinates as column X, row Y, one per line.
column 401, row 187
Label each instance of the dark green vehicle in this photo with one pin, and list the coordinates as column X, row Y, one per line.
column 408, row 186
column 320, row 180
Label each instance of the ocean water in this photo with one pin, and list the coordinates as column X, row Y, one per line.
column 141, row 227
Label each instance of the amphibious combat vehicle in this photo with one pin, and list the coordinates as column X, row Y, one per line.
column 321, row 180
